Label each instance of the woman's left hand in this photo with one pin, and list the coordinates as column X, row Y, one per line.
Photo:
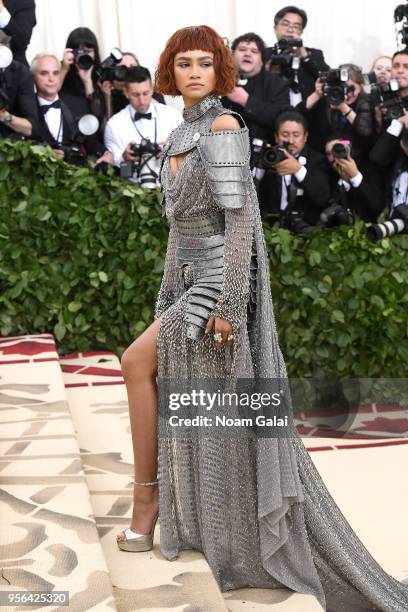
column 223, row 327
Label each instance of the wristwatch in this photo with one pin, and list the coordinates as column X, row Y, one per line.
column 7, row 120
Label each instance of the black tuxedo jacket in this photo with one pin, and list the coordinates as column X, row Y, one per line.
column 19, row 86
column 72, row 109
column 367, row 200
column 313, row 191
column 389, row 160
column 268, row 97
column 20, row 26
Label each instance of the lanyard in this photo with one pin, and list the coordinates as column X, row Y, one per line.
column 139, row 132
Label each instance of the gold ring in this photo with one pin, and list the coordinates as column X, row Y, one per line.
column 218, row 337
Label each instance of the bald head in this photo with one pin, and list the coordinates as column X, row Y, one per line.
column 46, row 71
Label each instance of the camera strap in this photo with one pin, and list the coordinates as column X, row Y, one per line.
column 139, row 132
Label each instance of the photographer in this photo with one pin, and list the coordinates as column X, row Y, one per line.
column 143, row 119
column 290, row 58
column 112, row 89
column 78, row 74
column 17, row 19
column 57, row 118
column 354, row 189
column 390, row 100
column 299, row 181
column 17, row 99
column 339, row 104
column 387, row 150
column 259, row 96
column 390, row 154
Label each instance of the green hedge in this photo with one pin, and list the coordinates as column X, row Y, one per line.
column 81, row 256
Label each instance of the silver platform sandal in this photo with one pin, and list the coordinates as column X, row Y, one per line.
column 139, row 542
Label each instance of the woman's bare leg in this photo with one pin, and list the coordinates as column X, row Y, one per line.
column 139, row 368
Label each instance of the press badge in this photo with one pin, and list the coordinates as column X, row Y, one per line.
column 299, row 192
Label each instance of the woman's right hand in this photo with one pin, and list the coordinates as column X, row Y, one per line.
column 106, row 87
column 316, row 95
column 68, row 59
column 319, row 88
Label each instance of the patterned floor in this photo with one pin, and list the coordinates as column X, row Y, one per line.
column 65, row 487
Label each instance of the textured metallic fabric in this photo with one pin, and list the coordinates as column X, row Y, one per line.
column 257, row 508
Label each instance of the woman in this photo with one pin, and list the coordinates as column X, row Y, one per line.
column 255, row 506
column 352, row 116
column 382, row 68
column 82, row 81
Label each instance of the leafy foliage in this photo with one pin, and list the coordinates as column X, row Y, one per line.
column 340, row 302
column 81, row 256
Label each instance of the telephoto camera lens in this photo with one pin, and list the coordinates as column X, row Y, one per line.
column 83, row 60
column 384, row 230
column 396, row 225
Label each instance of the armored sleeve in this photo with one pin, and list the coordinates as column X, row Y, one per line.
column 226, row 155
column 166, row 295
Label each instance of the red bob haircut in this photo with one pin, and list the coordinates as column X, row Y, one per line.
column 202, row 38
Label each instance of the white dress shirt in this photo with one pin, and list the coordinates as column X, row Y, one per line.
column 4, row 18
column 53, row 118
column 121, row 129
column 355, row 182
column 287, row 179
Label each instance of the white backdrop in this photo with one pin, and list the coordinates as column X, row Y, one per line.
column 347, row 30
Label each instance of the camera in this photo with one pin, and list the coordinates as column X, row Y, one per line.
column 387, row 97
column 334, row 84
column 293, row 221
column 397, row 224
column 73, row 154
column 145, row 151
column 83, row 60
column 109, row 69
column 284, row 55
column 341, row 150
column 266, row 157
column 335, row 214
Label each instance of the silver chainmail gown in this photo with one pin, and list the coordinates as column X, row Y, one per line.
column 257, row 509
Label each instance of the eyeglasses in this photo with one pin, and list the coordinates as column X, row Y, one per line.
column 297, row 27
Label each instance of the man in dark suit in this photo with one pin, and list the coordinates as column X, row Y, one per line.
column 259, row 96
column 390, row 156
column 298, row 186
column 356, row 188
column 17, row 19
column 290, row 22
column 17, row 104
column 57, row 118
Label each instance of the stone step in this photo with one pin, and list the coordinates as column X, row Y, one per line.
column 142, row 581
column 49, row 538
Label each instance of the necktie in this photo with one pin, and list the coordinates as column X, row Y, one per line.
column 46, row 107
column 142, row 116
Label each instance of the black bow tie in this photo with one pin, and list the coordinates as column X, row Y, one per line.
column 142, row 116
column 46, row 107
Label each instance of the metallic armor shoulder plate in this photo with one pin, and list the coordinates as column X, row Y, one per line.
column 225, row 155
